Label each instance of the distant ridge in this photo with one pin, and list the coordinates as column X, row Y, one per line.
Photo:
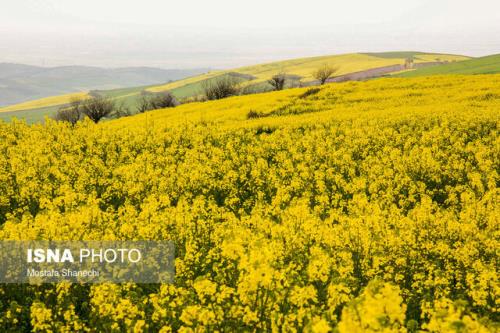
column 20, row 83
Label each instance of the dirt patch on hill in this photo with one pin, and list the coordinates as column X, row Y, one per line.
column 379, row 71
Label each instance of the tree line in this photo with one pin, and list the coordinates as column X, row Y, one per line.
column 97, row 107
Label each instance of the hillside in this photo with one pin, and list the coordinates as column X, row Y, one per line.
column 483, row 65
column 251, row 77
column 304, row 67
column 20, row 83
column 332, row 209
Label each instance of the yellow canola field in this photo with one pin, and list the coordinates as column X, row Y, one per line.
column 357, row 207
column 44, row 102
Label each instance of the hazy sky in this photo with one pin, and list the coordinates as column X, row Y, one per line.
column 229, row 33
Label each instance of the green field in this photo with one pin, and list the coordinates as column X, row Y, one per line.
column 30, row 116
column 484, row 65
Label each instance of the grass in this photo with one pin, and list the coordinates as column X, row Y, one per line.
column 484, row 65
column 30, row 116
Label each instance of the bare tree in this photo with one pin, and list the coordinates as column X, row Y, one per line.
column 143, row 104
column 97, row 107
column 70, row 113
column 149, row 101
column 324, row 73
column 163, row 100
column 222, row 87
column 278, row 81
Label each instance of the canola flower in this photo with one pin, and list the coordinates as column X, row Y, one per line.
column 361, row 207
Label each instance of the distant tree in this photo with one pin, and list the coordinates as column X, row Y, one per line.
column 222, row 87
column 121, row 110
column 278, row 81
column 409, row 63
column 255, row 89
column 149, row 101
column 143, row 104
column 70, row 113
column 163, row 100
column 324, row 73
column 97, row 107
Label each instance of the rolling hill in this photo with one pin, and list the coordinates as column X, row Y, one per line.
column 483, row 65
column 303, row 67
column 250, row 77
column 21, row 83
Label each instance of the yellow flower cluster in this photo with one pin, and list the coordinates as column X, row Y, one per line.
column 360, row 207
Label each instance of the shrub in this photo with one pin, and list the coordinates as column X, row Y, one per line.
column 222, row 87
